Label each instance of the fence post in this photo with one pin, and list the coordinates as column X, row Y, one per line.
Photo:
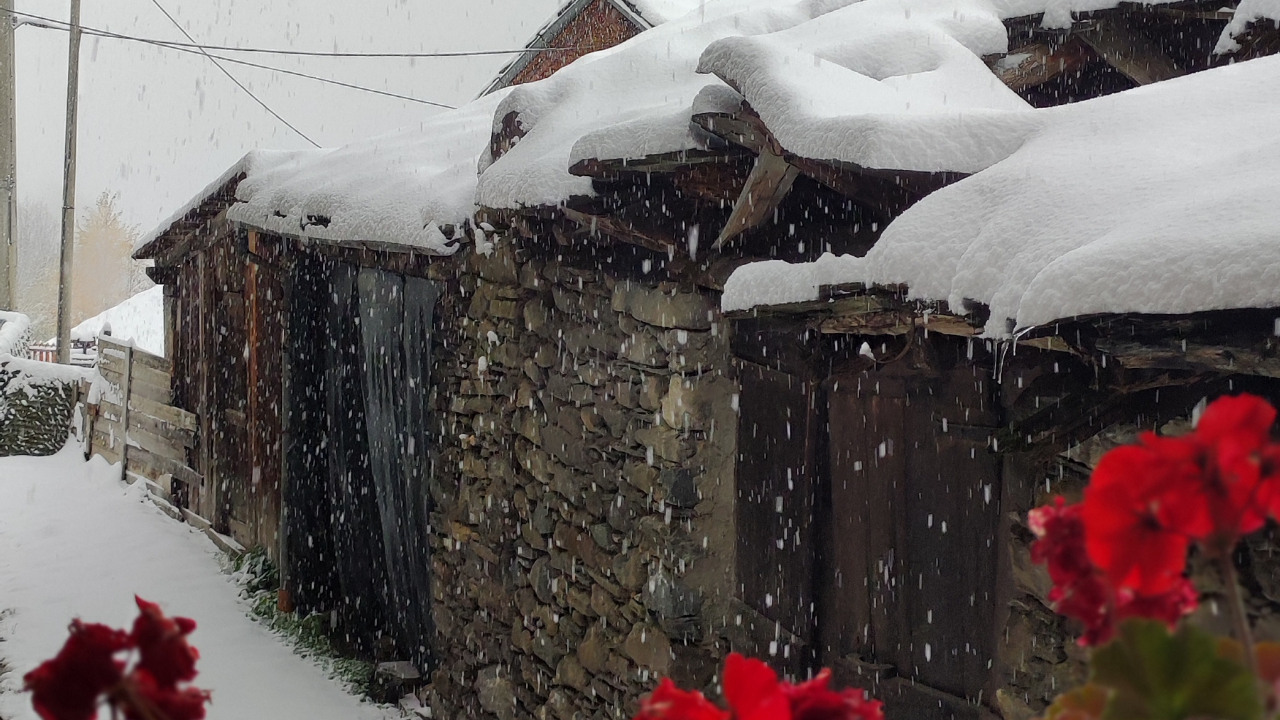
column 124, row 412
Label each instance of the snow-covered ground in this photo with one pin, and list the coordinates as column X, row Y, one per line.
column 75, row 542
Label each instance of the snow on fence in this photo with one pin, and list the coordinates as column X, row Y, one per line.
column 145, row 434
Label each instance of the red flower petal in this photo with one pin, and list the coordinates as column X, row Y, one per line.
column 68, row 686
column 162, row 645
column 813, row 700
column 669, row 702
column 148, row 699
column 748, row 684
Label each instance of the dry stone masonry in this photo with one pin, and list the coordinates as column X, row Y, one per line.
column 582, row 536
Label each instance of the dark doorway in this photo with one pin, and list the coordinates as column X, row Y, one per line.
column 360, row 453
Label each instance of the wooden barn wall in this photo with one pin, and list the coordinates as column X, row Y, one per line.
column 598, row 27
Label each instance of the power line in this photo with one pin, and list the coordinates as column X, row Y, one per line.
column 308, row 53
column 330, row 81
column 44, row 24
column 187, row 48
column 233, row 79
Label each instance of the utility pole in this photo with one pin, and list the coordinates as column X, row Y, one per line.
column 69, row 190
column 8, row 165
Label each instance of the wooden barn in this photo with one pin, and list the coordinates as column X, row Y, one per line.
column 516, row 440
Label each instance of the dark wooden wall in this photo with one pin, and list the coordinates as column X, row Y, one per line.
column 869, row 508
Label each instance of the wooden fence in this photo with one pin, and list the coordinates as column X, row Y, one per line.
column 134, row 424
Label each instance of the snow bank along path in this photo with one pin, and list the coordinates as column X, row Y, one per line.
column 75, row 542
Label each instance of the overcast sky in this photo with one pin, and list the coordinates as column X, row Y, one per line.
column 156, row 125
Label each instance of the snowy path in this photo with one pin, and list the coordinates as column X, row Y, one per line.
column 75, row 542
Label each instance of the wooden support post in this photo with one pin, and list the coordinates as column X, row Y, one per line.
column 126, row 389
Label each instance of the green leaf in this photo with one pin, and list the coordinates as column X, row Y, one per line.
column 1159, row 676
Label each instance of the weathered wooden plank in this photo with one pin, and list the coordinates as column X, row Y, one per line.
column 1181, row 355
column 169, row 414
column 166, row 430
column 113, row 375
column 621, row 230
column 776, row 480
column 1039, row 63
column 769, row 182
column 151, row 362
column 158, row 445
column 150, row 375
column 1125, row 49
column 146, row 462
column 162, row 395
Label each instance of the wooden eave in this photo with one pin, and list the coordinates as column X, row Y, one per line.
column 177, row 239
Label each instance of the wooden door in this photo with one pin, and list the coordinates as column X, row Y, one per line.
column 914, row 503
column 230, row 424
column 777, row 483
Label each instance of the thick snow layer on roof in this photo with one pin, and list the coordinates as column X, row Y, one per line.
column 886, row 83
column 1247, row 13
column 397, row 189
column 897, row 84
column 657, row 12
column 1155, row 200
column 629, row 101
column 140, row 319
column 256, row 161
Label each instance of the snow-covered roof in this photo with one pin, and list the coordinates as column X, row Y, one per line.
column 140, row 319
column 892, row 84
column 1247, row 13
column 398, row 189
column 1160, row 199
column 252, row 163
column 632, row 100
column 657, row 12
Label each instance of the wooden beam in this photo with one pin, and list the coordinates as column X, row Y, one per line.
column 620, row 230
column 1039, row 63
column 1126, row 50
column 1194, row 357
column 769, row 182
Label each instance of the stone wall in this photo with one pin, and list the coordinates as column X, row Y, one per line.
column 583, row 526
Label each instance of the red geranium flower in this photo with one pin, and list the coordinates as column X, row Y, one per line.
column 67, row 687
column 162, row 645
column 754, row 692
column 1137, row 512
column 669, row 702
column 1084, row 592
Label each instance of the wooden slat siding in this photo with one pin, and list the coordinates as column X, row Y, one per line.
column 201, row 316
column 146, row 391
column 126, row 392
column 149, row 375
column 264, row 288
column 775, row 461
column 845, row 612
column 896, row 477
column 166, row 413
column 185, row 438
column 159, row 445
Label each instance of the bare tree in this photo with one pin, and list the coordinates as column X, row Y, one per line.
column 105, row 273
